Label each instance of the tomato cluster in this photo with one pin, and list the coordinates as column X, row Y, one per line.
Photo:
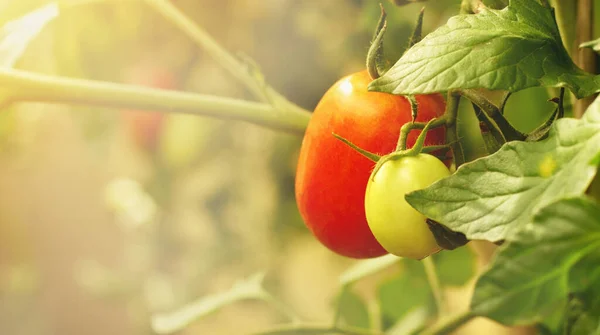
column 332, row 177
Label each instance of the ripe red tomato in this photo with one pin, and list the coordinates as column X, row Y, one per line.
column 332, row 178
column 144, row 126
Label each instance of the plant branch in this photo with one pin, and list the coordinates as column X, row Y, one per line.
column 449, row 324
column 316, row 329
column 408, row 127
column 280, row 307
column 508, row 131
column 23, row 86
column 584, row 57
column 434, row 283
column 565, row 15
column 236, row 68
column 451, row 115
column 493, row 138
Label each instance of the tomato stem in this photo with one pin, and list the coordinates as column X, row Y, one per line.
column 452, row 138
column 585, row 58
column 236, row 68
column 407, row 127
column 280, row 307
column 542, row 131
column 375, row 58
column 316, row 329
column 449, row 324
column 494, row 112
column 420, row 142
column 24, row 86
column 434, row 284
column 493, row 138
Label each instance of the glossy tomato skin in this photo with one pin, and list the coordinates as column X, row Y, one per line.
column 331, row 177
column 401, row 229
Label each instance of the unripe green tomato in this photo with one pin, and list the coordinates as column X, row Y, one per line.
column 398, row 227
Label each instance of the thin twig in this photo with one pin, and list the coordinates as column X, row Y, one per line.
column 451, row 115
column 236, row 68
column 448, row 325
column 315, row 329
column 434, row 283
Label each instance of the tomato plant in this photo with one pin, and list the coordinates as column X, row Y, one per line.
column 398, row 227
column 529, row 198
column 331, row 178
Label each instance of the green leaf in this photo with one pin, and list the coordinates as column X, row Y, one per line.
column 353, row 310
column 455, row 267
column 366, row 268
column 584, row 281
column 16, row 35
column 490, row 197
column 405, row 293
column 509, row 49
column 529, row 278
column 166, row 323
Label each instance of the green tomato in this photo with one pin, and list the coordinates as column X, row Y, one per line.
column 398, row 227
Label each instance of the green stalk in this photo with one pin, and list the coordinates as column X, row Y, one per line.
column 452, row 138
column 434, row 283
column 408, row 127
column 23, row 86
column 584, row 58
column 231, row 64
column 448, row 325
column 508, row 131
column 315, row 329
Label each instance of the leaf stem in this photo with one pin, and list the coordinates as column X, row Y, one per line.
column 493, row 138
column 316, row 329
column 449, row 324
column 337, row 312
column 451, row 115
column 280, row 307
column 23, row 86
column 408, row 127
column 434, row 283
column 220, row 55
column 493, row 111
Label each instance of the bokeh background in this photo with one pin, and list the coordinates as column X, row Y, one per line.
column 108, row 216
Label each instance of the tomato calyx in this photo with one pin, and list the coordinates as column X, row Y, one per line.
column 401, row 150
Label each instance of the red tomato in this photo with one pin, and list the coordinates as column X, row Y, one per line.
column 144, row 126
column 332, row 178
